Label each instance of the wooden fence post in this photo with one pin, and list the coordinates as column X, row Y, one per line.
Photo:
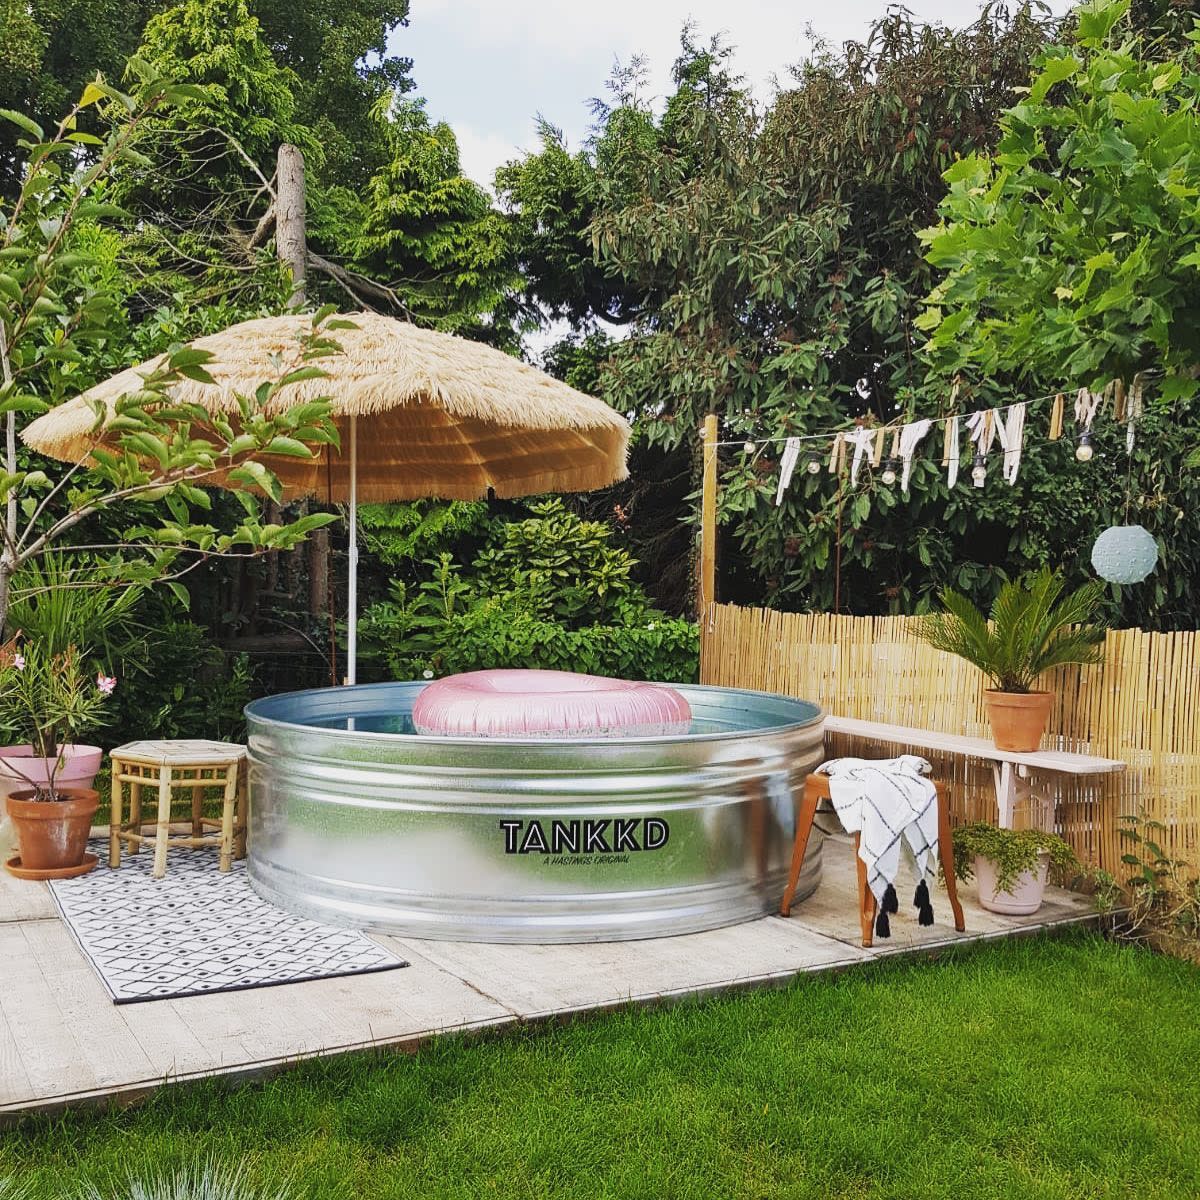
column 707, row 582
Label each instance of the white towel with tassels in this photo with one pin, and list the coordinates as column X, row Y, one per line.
column 888, row 802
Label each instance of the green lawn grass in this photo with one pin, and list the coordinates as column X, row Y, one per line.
column 1050, row 1067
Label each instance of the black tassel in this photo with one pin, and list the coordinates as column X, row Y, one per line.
column 890, row 903
column 924, row 907
column 882, row 928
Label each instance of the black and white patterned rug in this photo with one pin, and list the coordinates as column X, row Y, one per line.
column 197, row 931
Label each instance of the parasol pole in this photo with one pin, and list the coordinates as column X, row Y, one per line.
column 352, row 598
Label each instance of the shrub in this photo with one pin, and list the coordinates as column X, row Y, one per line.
column 190, row 689
column 550, row 591
column 498, row 633
column 202, row 1181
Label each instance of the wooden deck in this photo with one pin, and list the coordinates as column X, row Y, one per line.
column 63, row 1042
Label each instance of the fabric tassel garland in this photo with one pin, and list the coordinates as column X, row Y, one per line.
column 1056, row 418
column 906, row 442
column 791, row 452
column 835, row 455
column 922, row 904
column 1011, row 431
column 882, row 928
column 952, row 451
column 1133, row 411
column 861, row 440
column 1086, row 404
column 890, row 903
column 981, row 428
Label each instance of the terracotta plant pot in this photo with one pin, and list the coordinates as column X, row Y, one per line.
column 1018, row 718
column 52, row 834
column 1022, row 898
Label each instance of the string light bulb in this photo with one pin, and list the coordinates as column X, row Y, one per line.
column 749, row 447
column 1085, row 449
column 979, row 470
column 889, row 472
column 813, row 466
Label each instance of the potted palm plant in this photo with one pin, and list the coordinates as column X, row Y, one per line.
column 1010, row 865
column 50, row 699
column 1032, row 627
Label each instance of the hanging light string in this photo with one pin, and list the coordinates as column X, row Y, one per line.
column 828, row 434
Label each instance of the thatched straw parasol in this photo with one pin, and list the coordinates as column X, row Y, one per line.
column 446, row 418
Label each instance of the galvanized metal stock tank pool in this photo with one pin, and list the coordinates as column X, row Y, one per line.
column 357, row 820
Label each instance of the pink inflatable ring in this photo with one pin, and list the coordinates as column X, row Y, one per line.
column 530, row 704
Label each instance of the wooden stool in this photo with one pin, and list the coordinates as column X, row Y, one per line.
column 816, row 789
column 165, row 765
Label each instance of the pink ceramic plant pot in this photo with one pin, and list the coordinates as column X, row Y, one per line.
column 79, row 768
column 1025, row 895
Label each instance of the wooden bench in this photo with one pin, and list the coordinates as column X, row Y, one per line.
column 1010, row 769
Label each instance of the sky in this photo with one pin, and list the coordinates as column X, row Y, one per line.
column 489, row 67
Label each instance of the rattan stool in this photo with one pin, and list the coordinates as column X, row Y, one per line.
column 165, row 765
column 816, row 789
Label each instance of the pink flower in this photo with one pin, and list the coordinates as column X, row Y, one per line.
column 19, row 661
column 106, row 683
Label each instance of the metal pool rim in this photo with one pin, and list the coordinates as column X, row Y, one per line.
column 258, row 711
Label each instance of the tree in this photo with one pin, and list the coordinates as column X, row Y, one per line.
column 49, row 50
column 338, row 55
column 769, row 266
column 1072, row 250
column 429, row 232
column 200, row 197
column 151, row 457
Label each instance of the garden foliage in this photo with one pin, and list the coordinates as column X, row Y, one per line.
column 767, row 264
column 548, row 591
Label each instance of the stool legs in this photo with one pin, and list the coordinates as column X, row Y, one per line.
column 114, row 821
column 866, row 897
column 230, row 798
column 243, row 812
column 163, row 831
column 946, row 854
column 804, row 824
column 135, row 814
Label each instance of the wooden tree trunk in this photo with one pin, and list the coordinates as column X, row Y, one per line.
column 292, row 247
column 318, row 572
column 291, row 242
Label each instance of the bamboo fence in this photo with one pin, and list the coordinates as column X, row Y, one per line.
column 1139, row 705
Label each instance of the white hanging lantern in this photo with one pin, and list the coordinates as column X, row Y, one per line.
column 1125, row 554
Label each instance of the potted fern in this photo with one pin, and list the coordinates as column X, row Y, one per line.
column 1032, row 628
column 1011, row 865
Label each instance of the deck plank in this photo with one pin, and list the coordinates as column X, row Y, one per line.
column 62, row 1041
column 24, row 900
column 33, row 1006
